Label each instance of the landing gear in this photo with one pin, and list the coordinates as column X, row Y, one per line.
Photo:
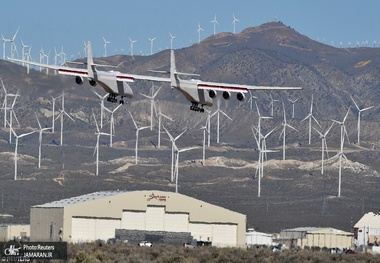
column 195, row 107
column 122, row 100
column 112, row 98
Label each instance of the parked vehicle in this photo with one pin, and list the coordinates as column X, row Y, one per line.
column 145, row 244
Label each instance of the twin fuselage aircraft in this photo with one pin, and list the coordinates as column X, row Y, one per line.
column 196, row 91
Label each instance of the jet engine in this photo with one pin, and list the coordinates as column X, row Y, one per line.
column 212, row 93
column 92, row 82
column 240, row 96
column 226, row 95
column 79, row 80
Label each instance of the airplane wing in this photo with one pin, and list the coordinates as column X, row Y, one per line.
column 133, row 77
column 238, row 87
column 61, row 69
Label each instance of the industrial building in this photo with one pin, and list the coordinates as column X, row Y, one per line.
column 98, row 215
column 14, row 231
column 254, row 238
column 367, row 230
column 317, row 237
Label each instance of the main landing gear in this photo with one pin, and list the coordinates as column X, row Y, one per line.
column 195, row 107
column 112, row 98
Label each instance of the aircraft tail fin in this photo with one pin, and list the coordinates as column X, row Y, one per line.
column 172, row 69
column 90, row 60
column 174, row 73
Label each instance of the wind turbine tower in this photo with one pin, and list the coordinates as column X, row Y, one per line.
column 217, row 113
column 137, row 135
column 98, row 133
column 60, row 115
column 40, row 131
column 112, row 124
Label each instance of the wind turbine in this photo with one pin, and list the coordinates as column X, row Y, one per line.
column 340, row 154
column 217, row 112
column 215, row 22
column 261, row 145
column 259, row 121
column 137, row 135
column 250, row 100
column 112, row 125
column 60, row 115
column 13, row 45
column 293, row 102
column 359, row 114
column 152, row 104
column 199, row 32
column 234, row 21
column 283, row 132
column 101, row 107
column 28, row 58
column 177, row 152
column 16, row 147
column 132, row 42
column 171, row 41
column 105, row 46
column 160, row 115
column 23, row 52
column 11, row 115
column 324, row 144
column 271, row 104
column 174, row 147
column 151, row 44
column 310, row 116
column 98, row 133
column 40, row 131
column 53, row 119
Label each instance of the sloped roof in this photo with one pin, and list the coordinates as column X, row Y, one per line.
column 369, row 220
column 80, row 199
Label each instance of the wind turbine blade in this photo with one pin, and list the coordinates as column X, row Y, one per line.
column 304, row 119
column 96, row 123
column 176, row 138
column 226, row 115
column 356, row 105
column 368, row 108
column 134, row 123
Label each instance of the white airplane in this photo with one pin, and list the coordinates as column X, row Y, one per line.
column 202, row 93
column 113, row 82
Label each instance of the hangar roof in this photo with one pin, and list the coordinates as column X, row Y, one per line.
column 80, row 199
column 369, row 220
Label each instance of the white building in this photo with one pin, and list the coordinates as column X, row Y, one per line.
column 14, row 231
column 367, row 230
column 257, row 238
column 96, row 216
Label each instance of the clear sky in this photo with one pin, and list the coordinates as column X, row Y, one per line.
column 69, row 23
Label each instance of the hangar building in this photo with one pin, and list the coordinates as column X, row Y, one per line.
column 97, row 216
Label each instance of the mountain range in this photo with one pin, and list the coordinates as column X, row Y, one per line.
column 294, row 193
